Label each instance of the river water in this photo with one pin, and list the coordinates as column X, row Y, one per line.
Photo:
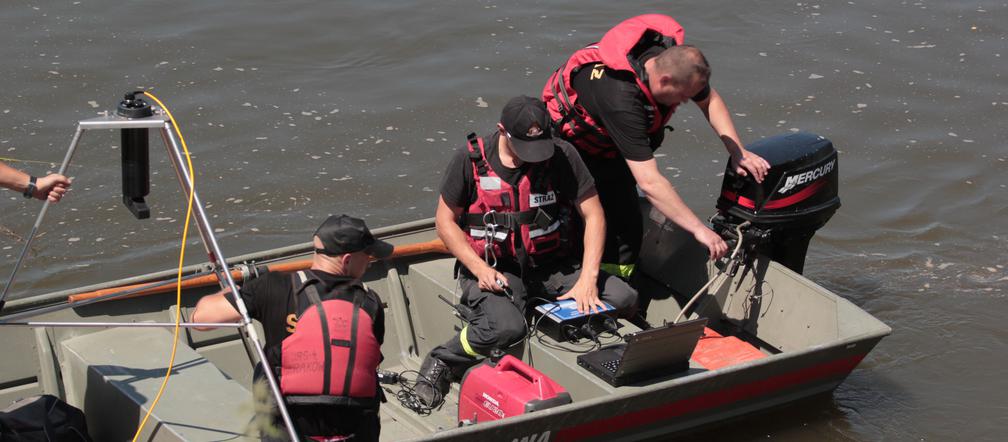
column 294, row 110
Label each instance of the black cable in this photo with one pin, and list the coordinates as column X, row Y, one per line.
column 596, row 343
column 535, row 324
column 408, row 397
column 557, row 346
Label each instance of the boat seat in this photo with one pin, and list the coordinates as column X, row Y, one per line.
column 114, row 375
column 222, row 346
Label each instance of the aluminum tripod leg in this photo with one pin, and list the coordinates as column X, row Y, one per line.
column 218, row 261
column 38, row 219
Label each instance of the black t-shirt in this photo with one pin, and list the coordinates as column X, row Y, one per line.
column 270, row 299
column 570, row 178
column 616, row 102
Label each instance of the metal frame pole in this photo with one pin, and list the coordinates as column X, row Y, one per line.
column 219, row 263
column 38, row 219
column 248, row 333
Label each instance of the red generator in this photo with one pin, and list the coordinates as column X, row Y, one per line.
column 510, row 387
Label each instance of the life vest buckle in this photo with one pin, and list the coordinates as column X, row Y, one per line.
column 543, row 219
column 490, row 232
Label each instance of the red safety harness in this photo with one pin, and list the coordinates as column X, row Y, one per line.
column 616, row 51
column 334, row 360
column 533, row 210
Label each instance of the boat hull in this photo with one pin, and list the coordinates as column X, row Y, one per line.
column 810, row 339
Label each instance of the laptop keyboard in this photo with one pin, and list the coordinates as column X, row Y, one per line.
column 611, row 365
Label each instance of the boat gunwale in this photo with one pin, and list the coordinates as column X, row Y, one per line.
column 263, row 256
column 623, row 393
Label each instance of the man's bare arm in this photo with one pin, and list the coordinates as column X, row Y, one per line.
column 663, row 196
column 585, row 290
column 215, row 308
column 455, row 239
column 743, row 162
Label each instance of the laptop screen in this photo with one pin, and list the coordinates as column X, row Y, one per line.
column 669, row 344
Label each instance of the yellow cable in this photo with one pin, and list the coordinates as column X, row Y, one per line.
column 178, row 291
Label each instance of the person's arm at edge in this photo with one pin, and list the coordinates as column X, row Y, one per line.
column 455, row 239
column 215, row 308
column 585, row 290
column 663, row 196
column 51, row 186
column 716, row 111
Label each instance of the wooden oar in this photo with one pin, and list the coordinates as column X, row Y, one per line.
column 433, row 246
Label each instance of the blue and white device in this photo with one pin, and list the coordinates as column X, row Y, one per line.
column 566, row 310
column 561, row 320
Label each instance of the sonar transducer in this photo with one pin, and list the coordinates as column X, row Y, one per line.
column 135, row 156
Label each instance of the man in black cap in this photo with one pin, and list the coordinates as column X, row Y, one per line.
column 508, row 211
column 283, row 303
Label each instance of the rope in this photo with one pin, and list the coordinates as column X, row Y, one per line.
column 738, row 246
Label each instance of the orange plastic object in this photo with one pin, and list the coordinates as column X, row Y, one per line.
column 715, row 351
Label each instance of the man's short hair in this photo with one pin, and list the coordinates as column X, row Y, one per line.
column 683, row 64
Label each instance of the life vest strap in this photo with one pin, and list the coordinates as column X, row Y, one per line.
column 367, row 403
column 313, row 296
column 570, row 114
column 348, row 379
column 512, row 221
column 476, row 154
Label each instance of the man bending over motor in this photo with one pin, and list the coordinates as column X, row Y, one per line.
column 506, row 212
column 289, row 307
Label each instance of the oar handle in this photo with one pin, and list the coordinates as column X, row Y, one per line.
column 187, row 284
column 433, row 246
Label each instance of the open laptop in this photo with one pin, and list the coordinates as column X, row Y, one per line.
column 646, row 354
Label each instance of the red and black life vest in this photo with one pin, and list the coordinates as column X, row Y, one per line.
column 332, row 361
column 616, row 51
column 527, row 222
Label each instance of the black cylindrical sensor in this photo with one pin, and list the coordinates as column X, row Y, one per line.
column 135, row 156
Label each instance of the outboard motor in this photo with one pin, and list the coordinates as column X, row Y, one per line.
column 797, row 197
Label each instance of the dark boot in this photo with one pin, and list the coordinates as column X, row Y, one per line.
column 434, row 382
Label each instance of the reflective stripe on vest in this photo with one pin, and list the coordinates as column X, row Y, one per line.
column 527, row 215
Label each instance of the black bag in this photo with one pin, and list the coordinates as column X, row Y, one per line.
column 43, row 418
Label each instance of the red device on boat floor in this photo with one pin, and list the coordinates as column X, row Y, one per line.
column 715, row 351
column 508, row 388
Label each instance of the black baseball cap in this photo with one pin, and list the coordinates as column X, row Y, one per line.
column 345, row 234
column 527, row 124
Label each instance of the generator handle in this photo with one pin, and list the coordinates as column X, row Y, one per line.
column 510, row 363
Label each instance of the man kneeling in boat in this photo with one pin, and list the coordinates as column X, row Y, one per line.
column 507, row 212
column 326, row 403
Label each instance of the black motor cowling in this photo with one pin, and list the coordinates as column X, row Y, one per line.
column 797, row 197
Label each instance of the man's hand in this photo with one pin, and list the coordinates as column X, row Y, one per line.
column 491, row 280
column 715, row 245
column 585, row 294
column 52, row 186
column 748, row 162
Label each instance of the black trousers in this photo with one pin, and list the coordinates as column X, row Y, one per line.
column 363, row 424
column 617, row 190
column 499, row 320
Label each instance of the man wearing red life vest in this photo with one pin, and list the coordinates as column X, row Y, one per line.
column 507, row 211
column 612, row 100
column 325, row 403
